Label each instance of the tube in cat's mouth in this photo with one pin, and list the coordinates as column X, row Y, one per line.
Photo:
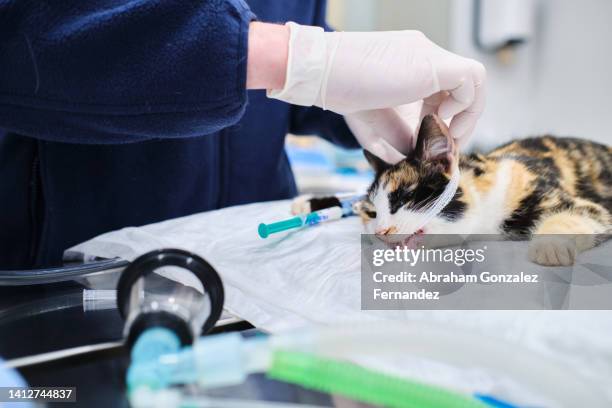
column 404, row 240
column 413, row 240
column 442, row 201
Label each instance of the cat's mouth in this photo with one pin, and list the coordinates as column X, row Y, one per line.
column 404, row 240
column 414, row 240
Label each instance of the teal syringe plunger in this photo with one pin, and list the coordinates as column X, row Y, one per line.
column 299, row 221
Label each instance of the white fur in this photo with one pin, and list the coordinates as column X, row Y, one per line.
column 301, row 204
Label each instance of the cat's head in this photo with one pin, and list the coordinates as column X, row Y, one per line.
column 402, row 192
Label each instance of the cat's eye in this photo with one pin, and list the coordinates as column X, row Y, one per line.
column 370, row 213
column 400, row 197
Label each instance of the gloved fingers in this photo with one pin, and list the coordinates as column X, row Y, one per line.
column 402, row 122
column 384, row 151
column 463, row 141
column 459, row 99
column 432, row 103
column 382, row 132
column 411, row 113
column 462, row 125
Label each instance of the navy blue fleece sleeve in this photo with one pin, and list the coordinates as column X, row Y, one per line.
column 313, row 120
column 326, row 124
column 112, row 71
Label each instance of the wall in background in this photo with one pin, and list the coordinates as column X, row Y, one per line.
column 560, row 82
column 431, row 17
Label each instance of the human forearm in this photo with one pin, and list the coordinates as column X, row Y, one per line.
column 267, row 55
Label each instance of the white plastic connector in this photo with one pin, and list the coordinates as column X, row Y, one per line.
column 99, row 299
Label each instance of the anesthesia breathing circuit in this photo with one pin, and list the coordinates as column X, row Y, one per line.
column 171, row 298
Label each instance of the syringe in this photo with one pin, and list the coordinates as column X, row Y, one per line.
column 305, row 220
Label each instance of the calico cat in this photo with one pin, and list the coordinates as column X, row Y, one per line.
column 526, row 188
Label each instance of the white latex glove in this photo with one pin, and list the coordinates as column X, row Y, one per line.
column 387, row 133
column 347, row 72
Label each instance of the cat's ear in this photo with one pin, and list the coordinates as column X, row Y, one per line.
column 434, row 142
column 378, row 164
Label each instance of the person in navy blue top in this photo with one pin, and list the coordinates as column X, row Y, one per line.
column 118, row 113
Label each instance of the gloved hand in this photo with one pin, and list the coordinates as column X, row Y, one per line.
column 388, row 133
column 348, row 72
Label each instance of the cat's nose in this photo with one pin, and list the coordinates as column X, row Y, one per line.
column 386, row 230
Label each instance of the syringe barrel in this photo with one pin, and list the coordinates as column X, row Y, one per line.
column 324, row 215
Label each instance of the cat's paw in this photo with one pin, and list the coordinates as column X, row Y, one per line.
column 553, row 251
column 301, row 204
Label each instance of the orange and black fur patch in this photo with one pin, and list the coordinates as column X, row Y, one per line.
column 537, row 186
column 550, row 175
